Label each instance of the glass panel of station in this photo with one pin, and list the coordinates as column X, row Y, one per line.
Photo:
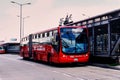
column 98, row 37
column 91, row 40
column 115, row 36
column 101, row 40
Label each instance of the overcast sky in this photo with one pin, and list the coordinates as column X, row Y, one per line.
column 45, row 14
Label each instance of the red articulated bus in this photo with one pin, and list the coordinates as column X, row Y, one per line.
column 64, row 44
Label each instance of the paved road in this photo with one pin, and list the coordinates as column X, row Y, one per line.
column 12, row 67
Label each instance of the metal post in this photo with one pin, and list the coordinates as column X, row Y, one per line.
column 20, row 22
column 23, row 27
column 93, row 38
column 109, row 38
column 23, row 24
column 20, row 16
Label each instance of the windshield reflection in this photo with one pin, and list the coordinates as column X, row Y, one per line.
column 74, row 40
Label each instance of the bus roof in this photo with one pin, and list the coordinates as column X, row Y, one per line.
column 55, row 29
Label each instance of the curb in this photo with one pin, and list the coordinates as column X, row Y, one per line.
column 105, row 66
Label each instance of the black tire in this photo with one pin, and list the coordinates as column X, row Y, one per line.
column 48, row 58
column 34, row 56
column 24, row 58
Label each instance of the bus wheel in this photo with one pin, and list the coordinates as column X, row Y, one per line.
column 35, row 56
column 49, row 58
column 24, row 58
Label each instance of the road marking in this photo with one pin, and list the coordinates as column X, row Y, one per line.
column 80, row 79
column 68, row 75
column 55, row 71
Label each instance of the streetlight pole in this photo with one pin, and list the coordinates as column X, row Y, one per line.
column 21, row 5
column 20, row 22
column 24, row 22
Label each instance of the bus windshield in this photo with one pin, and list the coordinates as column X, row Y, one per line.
column 74, row 40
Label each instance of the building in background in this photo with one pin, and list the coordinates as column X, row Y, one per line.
column 11, row 46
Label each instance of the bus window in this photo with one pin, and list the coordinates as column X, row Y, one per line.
column 55, row 42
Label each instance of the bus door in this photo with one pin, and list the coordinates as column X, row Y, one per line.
column 30, row 45
column 56, row 45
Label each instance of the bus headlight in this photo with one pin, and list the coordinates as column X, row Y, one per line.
column 86, row 55
column 64, row 56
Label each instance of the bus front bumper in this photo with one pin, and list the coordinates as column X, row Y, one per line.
column 74, row 59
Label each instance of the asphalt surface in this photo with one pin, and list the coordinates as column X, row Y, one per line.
column 13, row 67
